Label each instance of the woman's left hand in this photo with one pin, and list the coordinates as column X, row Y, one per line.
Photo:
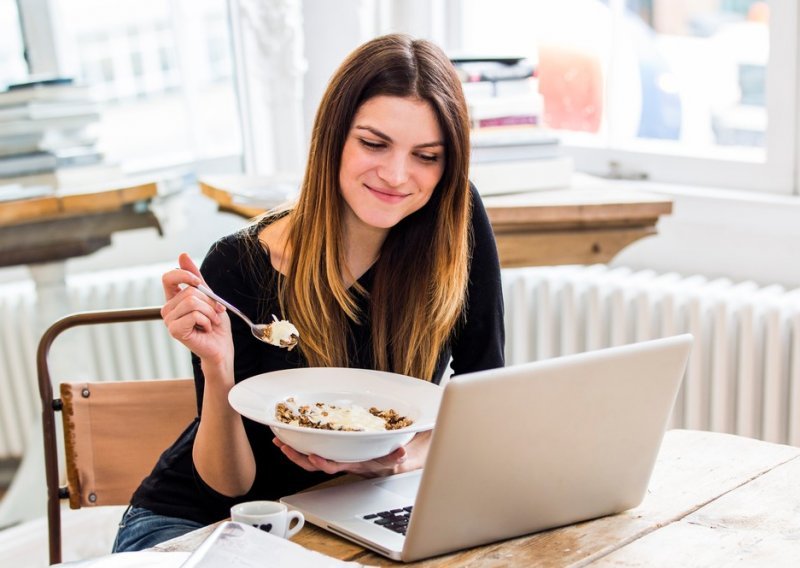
column 407, row 458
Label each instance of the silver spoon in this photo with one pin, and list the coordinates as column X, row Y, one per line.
column 261, row 331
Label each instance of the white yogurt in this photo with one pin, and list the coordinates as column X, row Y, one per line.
column 346, row 416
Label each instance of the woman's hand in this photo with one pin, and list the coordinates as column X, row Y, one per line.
column 409, row 457
column 193, row 318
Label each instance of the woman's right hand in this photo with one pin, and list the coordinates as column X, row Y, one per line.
column 193, row 318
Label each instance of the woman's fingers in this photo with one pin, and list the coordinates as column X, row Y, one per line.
column 176, row 279
column 309, row 462
column 380, row 466
column 328, row 466
column 187, row 264
column 187, row 275
column 188, row 311
column 295, row 456
column 190, row 300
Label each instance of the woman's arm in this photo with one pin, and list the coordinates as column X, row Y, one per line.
column 222, row 454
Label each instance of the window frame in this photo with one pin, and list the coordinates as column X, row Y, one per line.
column 778, row 174
column 40, row 39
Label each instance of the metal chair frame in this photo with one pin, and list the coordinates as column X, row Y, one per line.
column 51, row 405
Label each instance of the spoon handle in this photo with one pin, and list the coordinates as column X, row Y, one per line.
column 225, row 303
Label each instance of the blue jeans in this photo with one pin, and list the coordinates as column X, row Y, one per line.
column 140, row 529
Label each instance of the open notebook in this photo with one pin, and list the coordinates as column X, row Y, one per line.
column 237, row 545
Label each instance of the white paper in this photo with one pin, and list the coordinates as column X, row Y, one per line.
column 236, row 545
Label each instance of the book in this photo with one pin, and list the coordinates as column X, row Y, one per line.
column 513, row 143
column 240, row 545
column 26, row 164
column 480, row 90
column 88, row 177
column 41, row 81
column 22, row 144
column 511, row 153
column 529, row 87
column 533, row 151
column 518, row 176
column 529, row 104
column 47, row 89
column 15, row 191
column 490, row 69
column 41, row 110
column 54, row 140
column 512, row 135
column 78, row 156
column 30, row 126
column 49, row 179
column 507, row 120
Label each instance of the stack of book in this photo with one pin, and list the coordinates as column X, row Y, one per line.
column 45, row 125
column 512, row 151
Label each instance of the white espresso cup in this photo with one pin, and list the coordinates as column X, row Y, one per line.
column 269, row 516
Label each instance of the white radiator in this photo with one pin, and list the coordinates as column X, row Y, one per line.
column 744, row 372
column 743, row 377
column 107, row 352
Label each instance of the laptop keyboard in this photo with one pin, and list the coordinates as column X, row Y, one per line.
column 395, row 519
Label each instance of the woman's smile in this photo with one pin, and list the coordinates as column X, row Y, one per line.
column 386, row 195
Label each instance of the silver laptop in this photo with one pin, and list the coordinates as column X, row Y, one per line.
column 518, row 450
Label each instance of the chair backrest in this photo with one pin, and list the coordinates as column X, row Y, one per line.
column 113, row 431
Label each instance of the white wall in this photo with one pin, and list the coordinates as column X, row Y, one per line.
column 738, row 235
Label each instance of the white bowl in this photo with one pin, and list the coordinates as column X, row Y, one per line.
column 256, row 397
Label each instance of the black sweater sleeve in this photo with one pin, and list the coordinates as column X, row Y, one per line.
column 479, row 343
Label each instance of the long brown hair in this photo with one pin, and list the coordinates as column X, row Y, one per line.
column 420, row 277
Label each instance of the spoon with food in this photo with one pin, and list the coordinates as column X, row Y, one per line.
column 280, row 333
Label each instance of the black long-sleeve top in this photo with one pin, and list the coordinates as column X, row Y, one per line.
column 247, row 279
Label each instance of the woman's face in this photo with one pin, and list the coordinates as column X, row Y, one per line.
column 391, row 162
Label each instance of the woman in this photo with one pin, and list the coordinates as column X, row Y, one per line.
column 387, row 261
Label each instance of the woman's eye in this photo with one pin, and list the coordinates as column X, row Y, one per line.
column 431, row 158
column 370, row 145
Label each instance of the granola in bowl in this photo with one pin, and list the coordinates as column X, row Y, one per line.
column 340, row 417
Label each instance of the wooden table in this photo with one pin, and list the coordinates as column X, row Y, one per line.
column 588, row 223
column 713, row 500
column 69, row 223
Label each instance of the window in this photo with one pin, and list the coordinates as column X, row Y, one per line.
column 161, row 71
column 668, row 90
column 12, row 60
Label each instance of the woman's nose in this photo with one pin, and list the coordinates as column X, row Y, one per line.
column 394, row 170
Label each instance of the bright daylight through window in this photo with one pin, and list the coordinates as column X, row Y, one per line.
column 159, row 74
column 12, row 60
column 669, row 78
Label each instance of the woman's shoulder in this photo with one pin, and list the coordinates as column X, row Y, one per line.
column 236, row 258
column 481, row 226
column 484, row 259
column 244, row 242
column 231, row 246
